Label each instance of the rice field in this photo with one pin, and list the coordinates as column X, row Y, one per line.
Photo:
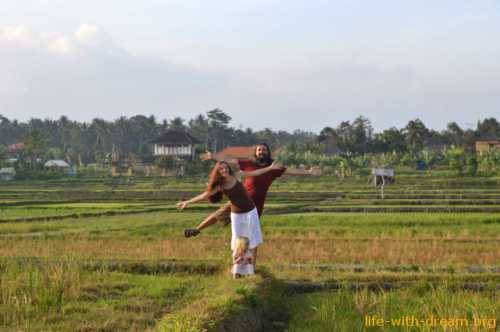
column 109, row 255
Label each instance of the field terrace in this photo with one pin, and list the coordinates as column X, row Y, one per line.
column 109, row 254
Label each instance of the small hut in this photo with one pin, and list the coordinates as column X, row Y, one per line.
column 487, row 142
column 57, row 164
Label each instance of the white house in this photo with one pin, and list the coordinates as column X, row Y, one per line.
column 175, row 143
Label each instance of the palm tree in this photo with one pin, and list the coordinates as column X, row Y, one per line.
column 100, row 131
column 416, row 133
column 218, row 121
column 35, row 143
column 329, row 138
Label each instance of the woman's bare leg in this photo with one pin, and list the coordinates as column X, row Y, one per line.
column 221, row 214
column 208, row 221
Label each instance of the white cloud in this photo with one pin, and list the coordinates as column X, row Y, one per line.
column 18, row 34
column 22, row 36
column 57, row 43
column 88, row 35
column 87, row 38
column 86, row 75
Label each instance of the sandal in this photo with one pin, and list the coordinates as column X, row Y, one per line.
column 191, row 232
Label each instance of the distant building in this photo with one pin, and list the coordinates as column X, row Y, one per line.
column 7, row 173
column 15, row 148
column 124, row 166
column 486, row 143
column 60, row 166
column 57, row 164
column 175, row 143
column 237, row 152
column 242, row 152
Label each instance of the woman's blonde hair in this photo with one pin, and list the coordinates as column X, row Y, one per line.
column 242, row 244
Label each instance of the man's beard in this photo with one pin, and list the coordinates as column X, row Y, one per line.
column 264, row 160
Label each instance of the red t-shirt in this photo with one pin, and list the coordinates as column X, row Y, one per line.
column 257, row 186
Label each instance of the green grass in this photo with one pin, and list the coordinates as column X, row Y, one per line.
column 95, row 271
column 61, row 295
column 346, row 310
column 166, row 224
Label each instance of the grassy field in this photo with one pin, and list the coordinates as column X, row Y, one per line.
column 109, row 255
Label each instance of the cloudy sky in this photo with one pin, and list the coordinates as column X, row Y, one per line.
column 292, row 64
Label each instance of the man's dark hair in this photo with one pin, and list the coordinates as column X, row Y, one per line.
column 268, row 160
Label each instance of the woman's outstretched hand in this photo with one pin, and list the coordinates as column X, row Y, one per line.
column 182, row 205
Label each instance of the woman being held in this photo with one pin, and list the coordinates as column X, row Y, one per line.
column 244, row 217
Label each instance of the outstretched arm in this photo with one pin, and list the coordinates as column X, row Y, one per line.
column 205, row 195
column 218, row 157
column 261, row 171
column 233, row 162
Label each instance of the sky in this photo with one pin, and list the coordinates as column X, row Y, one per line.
column 284, row 65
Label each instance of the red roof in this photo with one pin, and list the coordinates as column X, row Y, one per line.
column 15, row 147
column 238, row 152
column 242, row 152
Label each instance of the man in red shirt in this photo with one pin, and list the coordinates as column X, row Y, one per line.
column 256, row 186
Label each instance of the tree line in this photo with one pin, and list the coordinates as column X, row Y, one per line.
column 92, row 142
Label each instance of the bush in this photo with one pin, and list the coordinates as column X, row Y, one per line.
column 456, row 160
column 472, row 165
column 37, row 174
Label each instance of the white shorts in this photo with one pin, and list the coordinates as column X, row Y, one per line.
column 248, row 225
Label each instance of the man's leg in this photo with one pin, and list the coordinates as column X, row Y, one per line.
column 222, row 215
column 254, row 256
column 254, row 252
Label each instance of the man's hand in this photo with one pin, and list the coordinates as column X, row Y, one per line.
column 207, row 156
column 182, row 205
column 276, row 165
